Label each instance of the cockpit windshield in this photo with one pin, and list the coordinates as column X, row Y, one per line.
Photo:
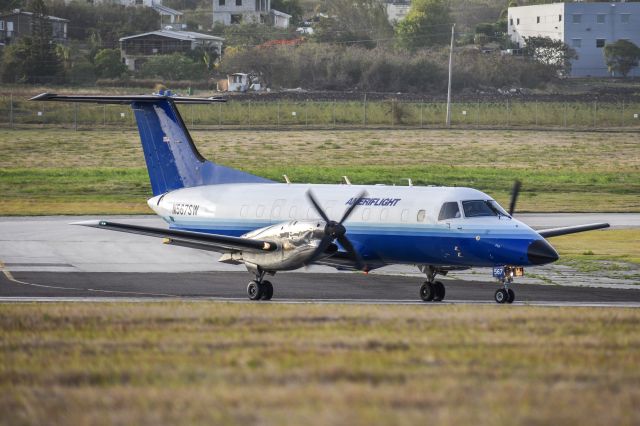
column 480, row 208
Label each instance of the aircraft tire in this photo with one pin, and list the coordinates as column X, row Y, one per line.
column 501, row 296
column 427, row 291
column 255, row 290
column 267, row 290
column 439, row 291
column 511, row 296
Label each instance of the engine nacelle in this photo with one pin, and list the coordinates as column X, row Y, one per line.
column 297, row 240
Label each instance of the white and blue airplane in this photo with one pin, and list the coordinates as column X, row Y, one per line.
column 271, row 227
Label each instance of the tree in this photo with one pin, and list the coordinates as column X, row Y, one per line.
column 428, row 23
column 621, row 56
column 363, row 23
column 7, row 5
column 108, row 64
column 550, row 52
column 173, row 67
column 249, row 35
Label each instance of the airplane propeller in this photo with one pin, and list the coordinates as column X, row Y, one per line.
column 336, row 231
column 514, row 196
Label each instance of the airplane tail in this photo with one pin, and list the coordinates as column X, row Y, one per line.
column 173, row 161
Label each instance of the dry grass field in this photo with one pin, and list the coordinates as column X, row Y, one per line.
column 241, row 364
column 51, row 171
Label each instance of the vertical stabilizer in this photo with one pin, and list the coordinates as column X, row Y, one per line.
column 173, row 161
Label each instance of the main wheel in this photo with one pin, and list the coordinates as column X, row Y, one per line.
column 511, row 296
column 255, row 290
column 427, row 291
column 267, row 289
column 439, row 291
column 501, row 295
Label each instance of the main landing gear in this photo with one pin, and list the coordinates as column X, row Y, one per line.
column 431, row 290
column 260, row 289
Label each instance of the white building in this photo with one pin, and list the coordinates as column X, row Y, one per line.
column 586, row 27
column 397, row 10
column 230, row 12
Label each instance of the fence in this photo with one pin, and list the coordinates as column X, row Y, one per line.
column 310, row 114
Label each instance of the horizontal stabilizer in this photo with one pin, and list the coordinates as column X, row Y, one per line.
column 200, row 240
column 555, row 232
column 123, row 99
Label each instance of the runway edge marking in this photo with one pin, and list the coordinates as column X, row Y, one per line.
column 11, row 278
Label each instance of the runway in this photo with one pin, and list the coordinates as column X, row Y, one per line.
column 45, row 259
column 354, row 288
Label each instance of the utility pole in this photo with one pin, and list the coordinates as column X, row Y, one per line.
column 449, row 86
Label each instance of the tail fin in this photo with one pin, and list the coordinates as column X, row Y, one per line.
column 173, row 161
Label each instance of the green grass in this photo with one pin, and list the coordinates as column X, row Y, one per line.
column 65, row 172
column 219, row 363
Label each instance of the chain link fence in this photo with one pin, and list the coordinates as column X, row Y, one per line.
column 19, row 113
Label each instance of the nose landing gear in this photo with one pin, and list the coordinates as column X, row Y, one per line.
column 505, row 275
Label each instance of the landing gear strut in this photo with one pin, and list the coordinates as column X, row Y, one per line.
column 431, row 290
column 260, row 289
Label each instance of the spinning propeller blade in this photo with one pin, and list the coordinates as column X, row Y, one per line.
column 514, row 196
column 335, row 231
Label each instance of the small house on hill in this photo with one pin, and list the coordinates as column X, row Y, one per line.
column 135, row 49
column 17, row 24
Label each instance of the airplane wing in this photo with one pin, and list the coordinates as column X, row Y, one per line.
column 555, row 232
column 197, row 240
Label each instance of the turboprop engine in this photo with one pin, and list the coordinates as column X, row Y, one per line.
column 297, row 242
column 300, row 242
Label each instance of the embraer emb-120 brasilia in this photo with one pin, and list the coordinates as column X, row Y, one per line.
column 271, row 227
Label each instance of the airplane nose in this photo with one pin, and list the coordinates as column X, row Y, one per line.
column 541, row 252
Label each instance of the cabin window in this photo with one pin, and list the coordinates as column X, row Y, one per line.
column 404, row 216
column 449, row 210
column 292, row 212
column 421, row 215
column 384, row 214
column 365, row 214
column 260, row 211
column 244, row 211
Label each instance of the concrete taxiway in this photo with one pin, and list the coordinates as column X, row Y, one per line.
column 44, row 258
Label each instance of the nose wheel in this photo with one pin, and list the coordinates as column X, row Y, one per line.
column 505, row 295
